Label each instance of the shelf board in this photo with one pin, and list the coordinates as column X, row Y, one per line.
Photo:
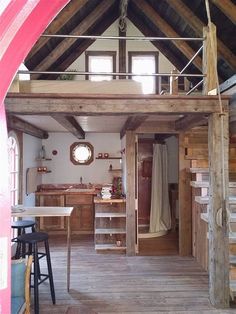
column 44, row 172
column 114, row 170
column 103, row 158
column 110, row 215
column 109, row 247
column 43, row 159
column 110, row 231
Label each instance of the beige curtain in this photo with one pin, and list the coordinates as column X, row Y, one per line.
column 160, row 216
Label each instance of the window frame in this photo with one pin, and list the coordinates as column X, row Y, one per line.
column 18, row 138
column 155, row 54
column 99, row 53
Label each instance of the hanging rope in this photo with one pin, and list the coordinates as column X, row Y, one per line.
column 123, row 15
column 222, row 114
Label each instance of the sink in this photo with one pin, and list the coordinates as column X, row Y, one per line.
column 80, row 190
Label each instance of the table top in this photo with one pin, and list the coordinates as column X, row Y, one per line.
column 41, row 211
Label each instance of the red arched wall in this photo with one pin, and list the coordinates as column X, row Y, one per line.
column 21, row 24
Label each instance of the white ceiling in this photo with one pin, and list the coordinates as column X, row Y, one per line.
column 97, row 124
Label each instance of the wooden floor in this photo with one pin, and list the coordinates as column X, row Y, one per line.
column 115, row 283
column 165, row 245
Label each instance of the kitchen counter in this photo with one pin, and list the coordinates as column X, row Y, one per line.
column 67, row 192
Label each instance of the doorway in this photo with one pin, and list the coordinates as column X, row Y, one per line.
column 149, row 242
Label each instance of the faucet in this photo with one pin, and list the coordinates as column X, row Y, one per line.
column 81, row 180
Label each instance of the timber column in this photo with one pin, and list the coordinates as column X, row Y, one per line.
column 218, row 146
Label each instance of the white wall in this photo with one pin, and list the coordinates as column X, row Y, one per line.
column 31, row 147
column 64, row 171
column 112, row 45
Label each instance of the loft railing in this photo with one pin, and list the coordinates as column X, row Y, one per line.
column 172, row 77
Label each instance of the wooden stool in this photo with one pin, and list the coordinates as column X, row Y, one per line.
column 32, row 239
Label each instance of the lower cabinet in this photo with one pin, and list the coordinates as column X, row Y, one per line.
column 51, row 223
column 82, row 218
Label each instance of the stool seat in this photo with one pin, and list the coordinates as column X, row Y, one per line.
column 32, row 238
column 22, row 224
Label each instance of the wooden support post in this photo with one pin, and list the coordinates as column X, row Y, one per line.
column 174, row 83
column 130, row 193
column 209, row 60
column 122, row 55
column 218, row 235
column 185, row 215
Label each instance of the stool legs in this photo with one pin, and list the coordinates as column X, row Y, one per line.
column 50, row 272
column 36, row 287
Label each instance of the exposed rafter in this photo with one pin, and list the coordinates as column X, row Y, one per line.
column 63, row 17
column 140, row 24
column 132, row 123
column 197, row 25
column 227, row 7
column 76, row 51
column 18, row 124
column 80, row 29
column 190, row 121
column 70, row 124
column 166, row 29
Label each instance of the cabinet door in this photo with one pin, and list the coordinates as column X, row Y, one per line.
column 82, row 219
column 51, row 223
column 87, row 218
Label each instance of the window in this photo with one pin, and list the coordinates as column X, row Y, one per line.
column 145, row 63
column 14, row 158
column 100, row 61
column 81, row 153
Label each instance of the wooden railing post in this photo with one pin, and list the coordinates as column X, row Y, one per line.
column 174, row 83
column 209, row 60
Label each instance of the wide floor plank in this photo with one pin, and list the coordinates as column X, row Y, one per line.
column 115, row 283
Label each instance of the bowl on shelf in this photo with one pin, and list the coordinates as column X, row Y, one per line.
column 106, row 155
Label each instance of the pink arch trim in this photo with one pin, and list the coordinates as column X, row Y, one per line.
column 21, row 24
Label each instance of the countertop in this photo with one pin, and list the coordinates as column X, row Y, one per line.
column 67, row 192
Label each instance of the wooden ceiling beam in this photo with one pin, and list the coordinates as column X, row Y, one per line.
column 132, row 123
column 166, row 29
column 87, row 104
column 70, row 124
column 197, row 25
column 81, row 29
column 18, row 124
column 190, row 121
column 227, row 7
column 60, row 20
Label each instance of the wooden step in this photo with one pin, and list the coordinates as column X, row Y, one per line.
column 204, row 200
column 232, row 286
column 232, row 259
column 109, row 247
column 110, row 231
column 205, row 184
column 232, row 237
column 204, row 216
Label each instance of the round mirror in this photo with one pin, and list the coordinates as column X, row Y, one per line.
column 81, row 153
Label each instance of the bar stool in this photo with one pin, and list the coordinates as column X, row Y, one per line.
column 20, row 226
column 32, row 239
